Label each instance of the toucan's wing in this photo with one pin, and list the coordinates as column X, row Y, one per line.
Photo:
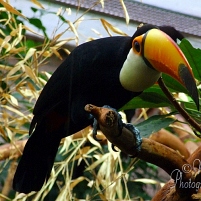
column 90, row 74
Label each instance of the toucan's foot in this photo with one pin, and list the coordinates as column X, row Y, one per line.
column 95, row 130
column 114, row 149
column 136, row 134
column 130, row 127
column 120, row 122
column 120, row 125
column 96, row 126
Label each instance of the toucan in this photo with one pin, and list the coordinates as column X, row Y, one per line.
column 107, row 71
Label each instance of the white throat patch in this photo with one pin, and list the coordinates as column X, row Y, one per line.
column 135, row 75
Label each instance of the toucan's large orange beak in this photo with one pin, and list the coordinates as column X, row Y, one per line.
column 164, row 55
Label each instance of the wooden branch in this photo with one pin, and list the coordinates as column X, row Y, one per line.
column 169, row 160
column 174, row 102
column 166, row 138
column 12, row 151
column 195, row 158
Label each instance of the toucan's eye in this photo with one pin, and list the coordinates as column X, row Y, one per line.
column 137, row 46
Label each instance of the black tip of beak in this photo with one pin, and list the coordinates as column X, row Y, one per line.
column 189, row 83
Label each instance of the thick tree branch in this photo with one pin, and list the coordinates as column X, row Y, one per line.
column 168, row 159
column 166, row 138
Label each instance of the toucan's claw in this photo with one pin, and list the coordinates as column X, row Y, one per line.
column 120, row 124
column 95, row 124
column 95, row 138
column 95, row 129
column 129, row 126
column 136, row 133
column 113, row 148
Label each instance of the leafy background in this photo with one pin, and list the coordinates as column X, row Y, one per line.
column 84, row 168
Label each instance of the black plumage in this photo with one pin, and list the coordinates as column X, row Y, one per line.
column 90, row 74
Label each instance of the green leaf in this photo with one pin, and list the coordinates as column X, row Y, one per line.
column 191, row 108
column 37, row 23
column 30, row 43
column 193, row 56
column 173, row 85
column 150, row 98
column 62, row 18
column 154, row 124
column 34, row 9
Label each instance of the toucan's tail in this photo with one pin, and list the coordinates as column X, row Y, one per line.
column 37, row 160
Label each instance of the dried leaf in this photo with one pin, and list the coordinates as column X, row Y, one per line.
column 76, row 181
column 109, row 27
column 102, row 3
column 4, row 43
column 32, row 31
column 54, row 50
column 59, row 11
column 13, row 71
column 20, row 196
column 68, row 10
column 97, row 32
column 61, row 43
column 11, row 109
column 105, row 25
column 11, row 9
column 2, row 132
column 31, row 74
column 17, row 31
column 29, row 54
column 14, row 43
column 2, row 33
column 9, row 133
column 13, row 77
column 47, row 53
column 73, row 29
column 38, row 4
column 57, row 36
column 93, row 141
column 5, row 67
column 66, row 51
column 103, row 197
column 43, row 82
column 146, row 181
column 17, row 50
column 25, row 92
column 84, row 150
column 90, row 184
column 13, row 100
column 98, row 162
column 48, row 75
column 125, row 11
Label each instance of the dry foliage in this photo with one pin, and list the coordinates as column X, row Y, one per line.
column 105, row 175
